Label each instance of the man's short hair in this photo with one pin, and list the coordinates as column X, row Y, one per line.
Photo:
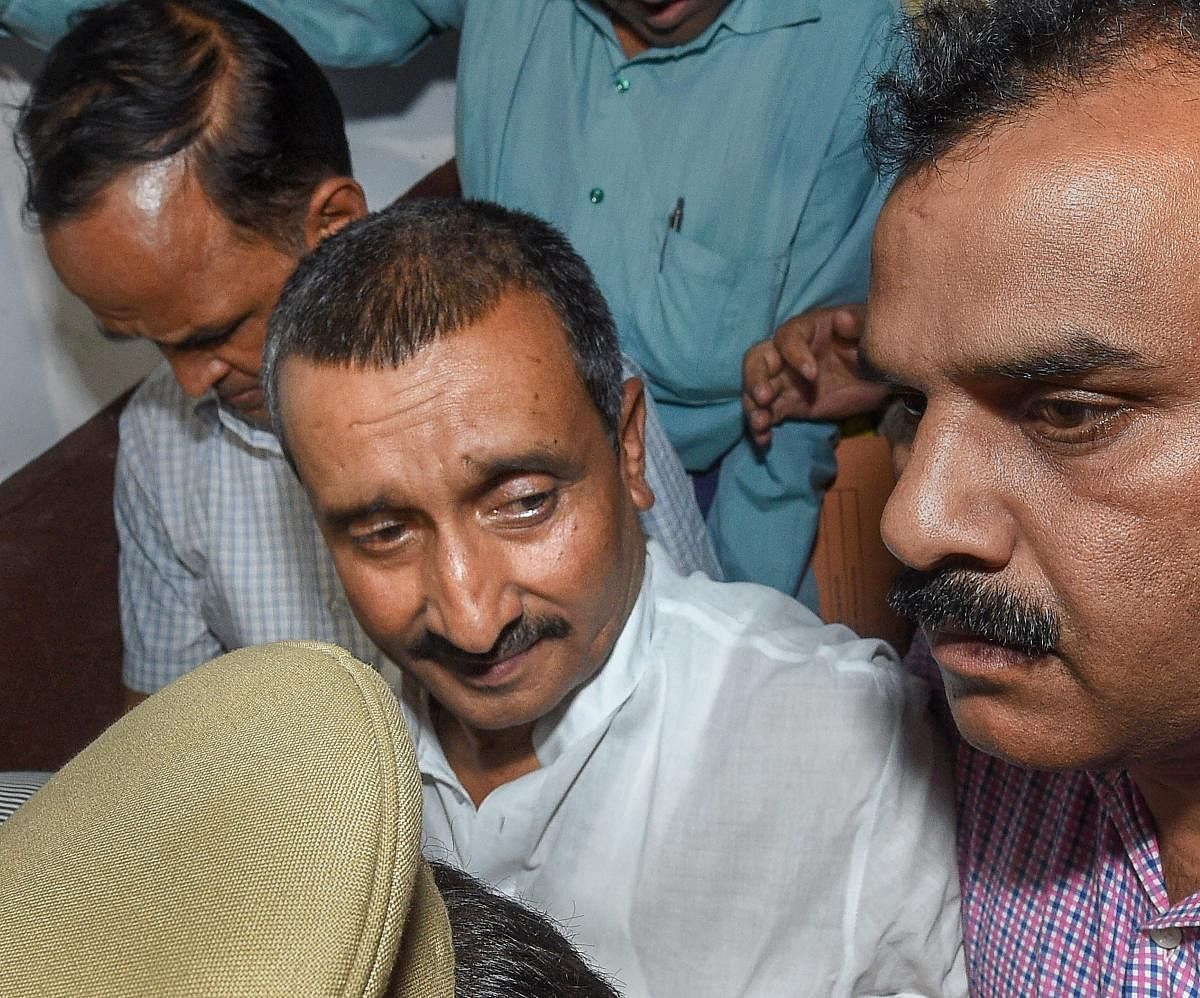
column 503, row 949
column 142, row 80
column 970, row 65
column 392, row 283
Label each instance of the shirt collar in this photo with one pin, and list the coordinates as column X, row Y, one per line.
column 742, row 17
column 209, row 411
column 1126, row 809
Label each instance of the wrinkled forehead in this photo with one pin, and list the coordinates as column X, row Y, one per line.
column 505, row 383
column 1062, row 233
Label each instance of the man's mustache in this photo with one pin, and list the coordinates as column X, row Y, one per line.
column 519, row 636
column 961, row 601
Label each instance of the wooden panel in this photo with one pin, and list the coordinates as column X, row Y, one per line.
column 60, row 658
column 854, row 569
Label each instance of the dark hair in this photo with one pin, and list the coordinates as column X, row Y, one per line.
column 139, row 81
column 503, row 949
column 395, row 281
column 968, row 65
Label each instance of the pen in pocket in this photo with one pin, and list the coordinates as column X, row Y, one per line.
column 674, row 224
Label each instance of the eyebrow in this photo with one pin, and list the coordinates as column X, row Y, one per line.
column 1081, row 354
column 112, row 335
column 537, row 461
column 196, row 339
column 203, row 336
column 340, row 519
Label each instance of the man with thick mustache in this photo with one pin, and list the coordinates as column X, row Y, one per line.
column 1034, row 299
column 720, row 795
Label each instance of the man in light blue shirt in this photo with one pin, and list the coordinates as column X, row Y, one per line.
column 706, row 158
column 181, row 160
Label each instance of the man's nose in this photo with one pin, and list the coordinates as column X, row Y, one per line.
column 948, row 505
column 470, row 595
column 197, row 371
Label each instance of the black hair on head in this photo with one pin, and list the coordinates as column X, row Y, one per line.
column 968, row 65
column 214, row 80
column 390, row 284
column 503, row 949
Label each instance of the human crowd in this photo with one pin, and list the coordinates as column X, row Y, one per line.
column 548, row 453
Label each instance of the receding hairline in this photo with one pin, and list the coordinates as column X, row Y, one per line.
column 189, row 177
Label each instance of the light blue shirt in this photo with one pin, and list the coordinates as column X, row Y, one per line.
column 756, row 126
column 219, row 548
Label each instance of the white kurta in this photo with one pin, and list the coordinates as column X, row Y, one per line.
column 742, row 802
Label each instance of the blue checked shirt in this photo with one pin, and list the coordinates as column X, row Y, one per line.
column 219, row 548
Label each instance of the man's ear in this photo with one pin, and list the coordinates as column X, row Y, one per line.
column 334, row 203
column 631, row 435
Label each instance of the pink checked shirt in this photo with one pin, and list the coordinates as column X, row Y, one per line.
column 1062, row 885
column 1063, row 890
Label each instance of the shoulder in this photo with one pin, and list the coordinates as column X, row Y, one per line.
column 862, row 14
column 750, row 637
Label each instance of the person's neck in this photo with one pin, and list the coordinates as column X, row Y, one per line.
column 1174, row 802
column 483, row 760
column 632, row 44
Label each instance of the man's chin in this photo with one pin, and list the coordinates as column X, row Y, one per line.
column 1019, row 733
column 494, row 713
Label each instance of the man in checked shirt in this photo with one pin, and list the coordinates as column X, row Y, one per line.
column 1035, row 301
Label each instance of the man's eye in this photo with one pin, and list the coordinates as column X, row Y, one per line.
column 913, row 404
column 1073, row 421
column 377, row 537
column 532, row 508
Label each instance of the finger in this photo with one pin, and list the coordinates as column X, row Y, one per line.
column 797, row 354
column 756, row 414
column 847, row 322
column 754, row 364
column 760, row 370
column 758, row 422
column 794, row 341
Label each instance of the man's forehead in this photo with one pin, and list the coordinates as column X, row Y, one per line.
column 482, row 404
column 1039, row 247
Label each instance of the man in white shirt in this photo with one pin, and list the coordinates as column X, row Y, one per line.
column 717, row 794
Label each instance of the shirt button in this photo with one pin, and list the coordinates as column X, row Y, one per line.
column 1168, row 938
column 622, row 85
column 596, row 195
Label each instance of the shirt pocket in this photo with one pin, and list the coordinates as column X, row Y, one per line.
column 711, row 309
